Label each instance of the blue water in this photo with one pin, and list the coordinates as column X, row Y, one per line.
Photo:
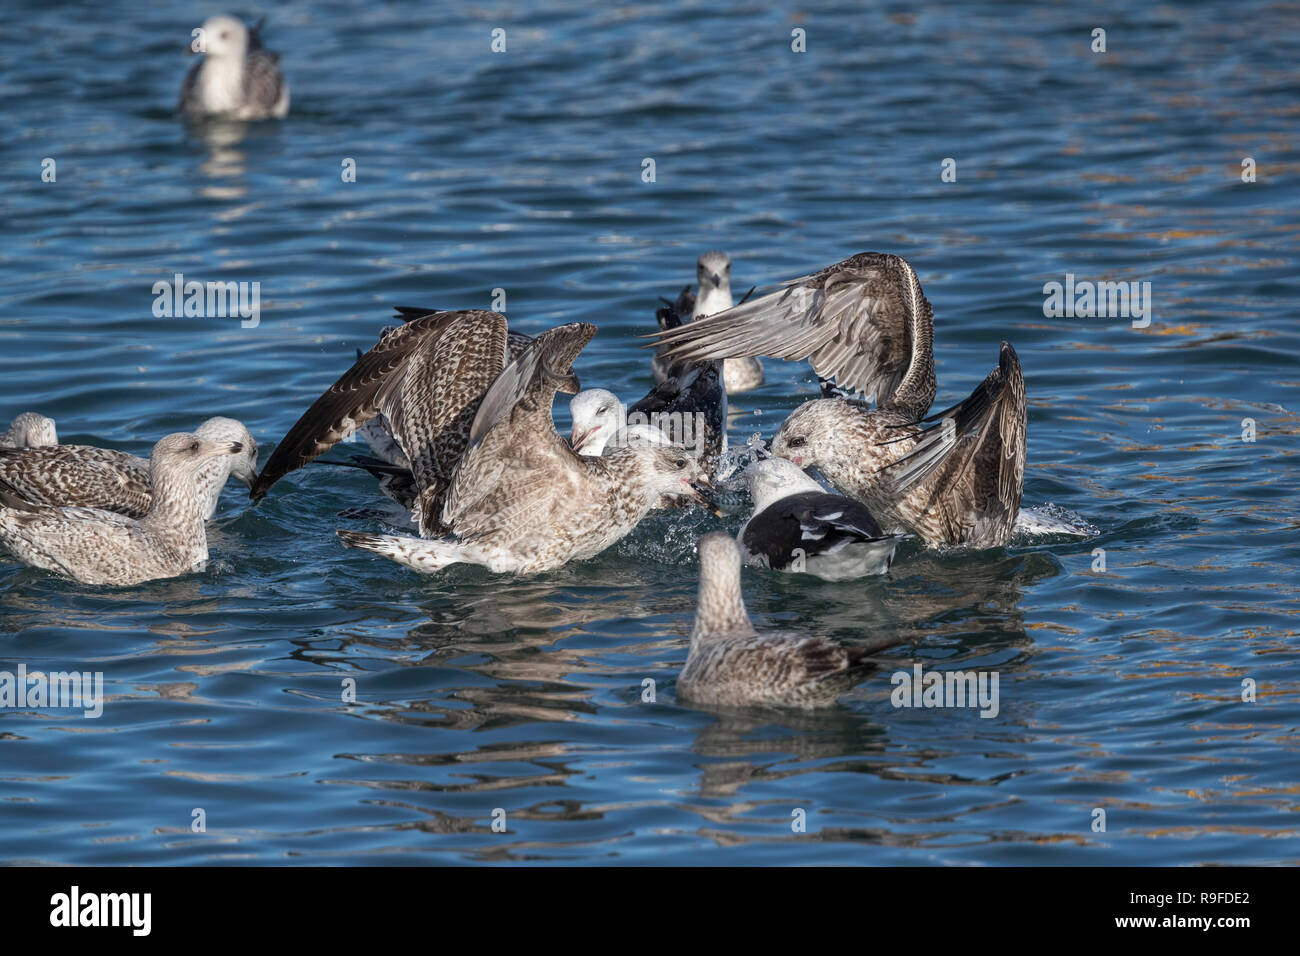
column 523, row 171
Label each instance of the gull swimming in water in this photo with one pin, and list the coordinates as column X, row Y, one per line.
column 30, row 430
column 732, row 665
column 954, row 478
column 237, row 76
column 713, row 284
column 427, row 378
column 103, row 547
column 85, row 476
column 799, row 526
column 521, row 500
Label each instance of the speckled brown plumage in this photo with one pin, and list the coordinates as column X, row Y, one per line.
column 957, row 484
column 732, row 665
column 865, row 322
column 427, row 377
column 521, row 500
column 86, row 476
column 30, row 430
column 102, row 547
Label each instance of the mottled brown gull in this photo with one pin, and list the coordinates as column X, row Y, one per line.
column 730, row 664
column 85, row 476
column 30, row 430
column 427, row 378
column 237, row 77
column 521, row 500
column 866, row 323
column 103, row 547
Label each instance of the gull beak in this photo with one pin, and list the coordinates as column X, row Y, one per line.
column 700, row 490
column 717, row 280
column 577, row 439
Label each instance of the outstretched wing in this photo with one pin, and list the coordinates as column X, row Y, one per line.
column 355, row 398
column 514, row 447
column 978, row 444
column 864, row 322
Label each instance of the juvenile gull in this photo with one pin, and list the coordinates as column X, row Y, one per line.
column 713, row 283
column 732, row 665
column 865, row 322
column 798, row 526
column 521, row 500
column 237, row 76
column 103, row 547
column 30, row 430
column 84, row 476
column 427, row 378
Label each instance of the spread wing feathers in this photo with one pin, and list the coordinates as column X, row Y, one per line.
column 517, row 460
column 516, row 342
column 980, row 442
column 354, row 399
column 853, row 321
column 78, row 476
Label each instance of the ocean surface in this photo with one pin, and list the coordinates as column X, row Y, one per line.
column 483, row 700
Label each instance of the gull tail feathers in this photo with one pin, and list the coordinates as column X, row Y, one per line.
column 420, row 554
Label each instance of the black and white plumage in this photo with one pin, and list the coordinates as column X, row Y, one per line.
column 427, row 378
column 521, row 500
column 103, row 547
column 237, row 77
column 30, row 430
column 86, row 476
column 732, row 665
column 799, row 526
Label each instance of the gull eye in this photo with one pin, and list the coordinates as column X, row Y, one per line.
column 680, row 463
column 194, row 446
column 797, row 442
column 602, row 410
column 225, row 34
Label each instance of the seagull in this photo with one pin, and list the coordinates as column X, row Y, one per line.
column 690, row 407
column 521, row 500
column 85, row 476
column 713, row 282
column 237, row 76
column 427, row 378
column 954, row 478
column 732, row 665
column 30, row 430
column 798, row 526
column 94, row 546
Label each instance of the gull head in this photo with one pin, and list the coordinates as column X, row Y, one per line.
column 31, row 430
column 597, row 414
column 224, row 37
column 187, row 452
column 806, row 437
column 713, row 273
column 772, row 479
column 668, row 469
column 244, row 465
